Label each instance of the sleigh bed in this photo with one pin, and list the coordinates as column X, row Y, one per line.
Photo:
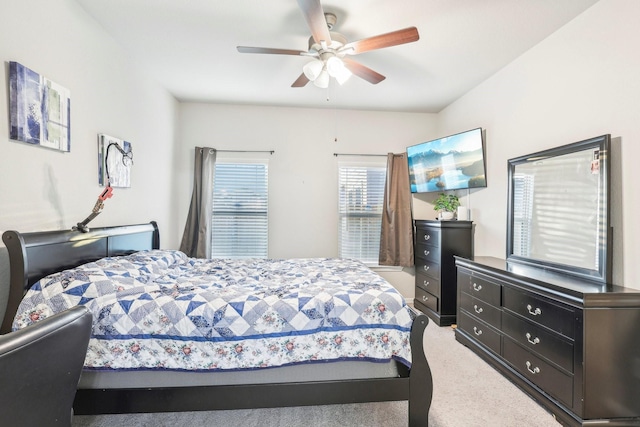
column 130, row 255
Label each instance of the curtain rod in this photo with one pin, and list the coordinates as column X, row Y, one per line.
column 365, row 155
column 246, row 151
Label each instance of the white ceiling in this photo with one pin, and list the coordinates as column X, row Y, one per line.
column 189, row 47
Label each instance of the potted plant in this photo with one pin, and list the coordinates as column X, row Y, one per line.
column 446, row 205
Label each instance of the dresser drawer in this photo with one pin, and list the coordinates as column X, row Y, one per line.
column 551, row 346
column 536, row 370
column 480, row 309
column 428, row 283
column 559, row 318
column 430, row 236
column 480, row 331
column 428, row 253
column 479, row 287
column 428, row 267
column 426, row 299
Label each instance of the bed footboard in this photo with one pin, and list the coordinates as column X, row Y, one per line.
column 414, row 385
column 420, row 379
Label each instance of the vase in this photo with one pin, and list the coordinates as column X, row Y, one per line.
column 446, row 215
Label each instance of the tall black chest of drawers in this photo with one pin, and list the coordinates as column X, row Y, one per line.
column 436, row 243
column 571, row 345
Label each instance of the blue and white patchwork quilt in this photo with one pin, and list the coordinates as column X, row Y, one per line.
column 163, row 310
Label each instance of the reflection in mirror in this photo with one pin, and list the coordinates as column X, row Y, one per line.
column 558, row 209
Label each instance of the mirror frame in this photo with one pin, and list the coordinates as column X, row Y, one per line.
column 601, row 274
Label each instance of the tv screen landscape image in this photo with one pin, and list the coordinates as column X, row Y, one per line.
column 450, row 163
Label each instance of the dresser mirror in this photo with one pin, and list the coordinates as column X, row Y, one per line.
column 558, row 210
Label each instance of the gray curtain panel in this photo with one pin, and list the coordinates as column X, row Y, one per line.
column 396, row 237
column 196, row 239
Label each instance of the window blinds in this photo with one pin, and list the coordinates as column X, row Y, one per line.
column 523, row 190
column 361, row 196
column 240, row 208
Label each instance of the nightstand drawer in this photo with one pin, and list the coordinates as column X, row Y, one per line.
column 557, row 317
column 479, row 287
column 428, row 267
column 428, row 283
column 551, row 346
column 480, row 331
column 426, row 299
column 429, row 236
column 536, row 370
column 428, row 253
column 480, row 309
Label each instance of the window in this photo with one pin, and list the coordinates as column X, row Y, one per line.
column 360, row 211
column 523, row 190
column 240, row 201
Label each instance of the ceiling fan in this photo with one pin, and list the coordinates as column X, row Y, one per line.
column 330, row 50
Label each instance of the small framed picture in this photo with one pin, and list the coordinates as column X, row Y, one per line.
column 595, row 163
column 115, row 157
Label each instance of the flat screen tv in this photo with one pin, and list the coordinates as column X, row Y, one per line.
column 451, row 163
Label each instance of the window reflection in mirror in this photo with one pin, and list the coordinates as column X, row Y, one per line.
column 558, row 212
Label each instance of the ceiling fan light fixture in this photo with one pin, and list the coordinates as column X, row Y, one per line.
column 337, row 69
column 313, row 69
column 322, row 81
column 334, row 65
column 343, row 76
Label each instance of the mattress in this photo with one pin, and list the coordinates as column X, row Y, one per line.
column 161, row 310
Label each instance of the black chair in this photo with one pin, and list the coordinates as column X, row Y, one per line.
column 40, row 367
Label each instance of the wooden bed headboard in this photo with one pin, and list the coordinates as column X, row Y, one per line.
column 35, row 255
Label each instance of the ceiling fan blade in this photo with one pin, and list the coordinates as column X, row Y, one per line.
column 363, row 72
column 249, row 49
column 393, row 38
column 301, row 81
column 317, row 23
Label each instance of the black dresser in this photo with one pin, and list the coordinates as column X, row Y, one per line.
column 573, row 346
column 436, row 243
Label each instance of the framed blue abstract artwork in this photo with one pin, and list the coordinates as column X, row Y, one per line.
column 39, row 109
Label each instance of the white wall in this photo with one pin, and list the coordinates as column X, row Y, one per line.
column 303, row 175
column 582, row 81
column 43, row 189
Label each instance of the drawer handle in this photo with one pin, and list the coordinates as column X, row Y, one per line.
column 427, row 237
column 477, row 331
column 533, row 312
column 424, row 298
column 478, row 310
column 477, row 287
column 534, row 341
column 534, row 371
column 425, row 267
column 426, row 252
column 426, row 283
